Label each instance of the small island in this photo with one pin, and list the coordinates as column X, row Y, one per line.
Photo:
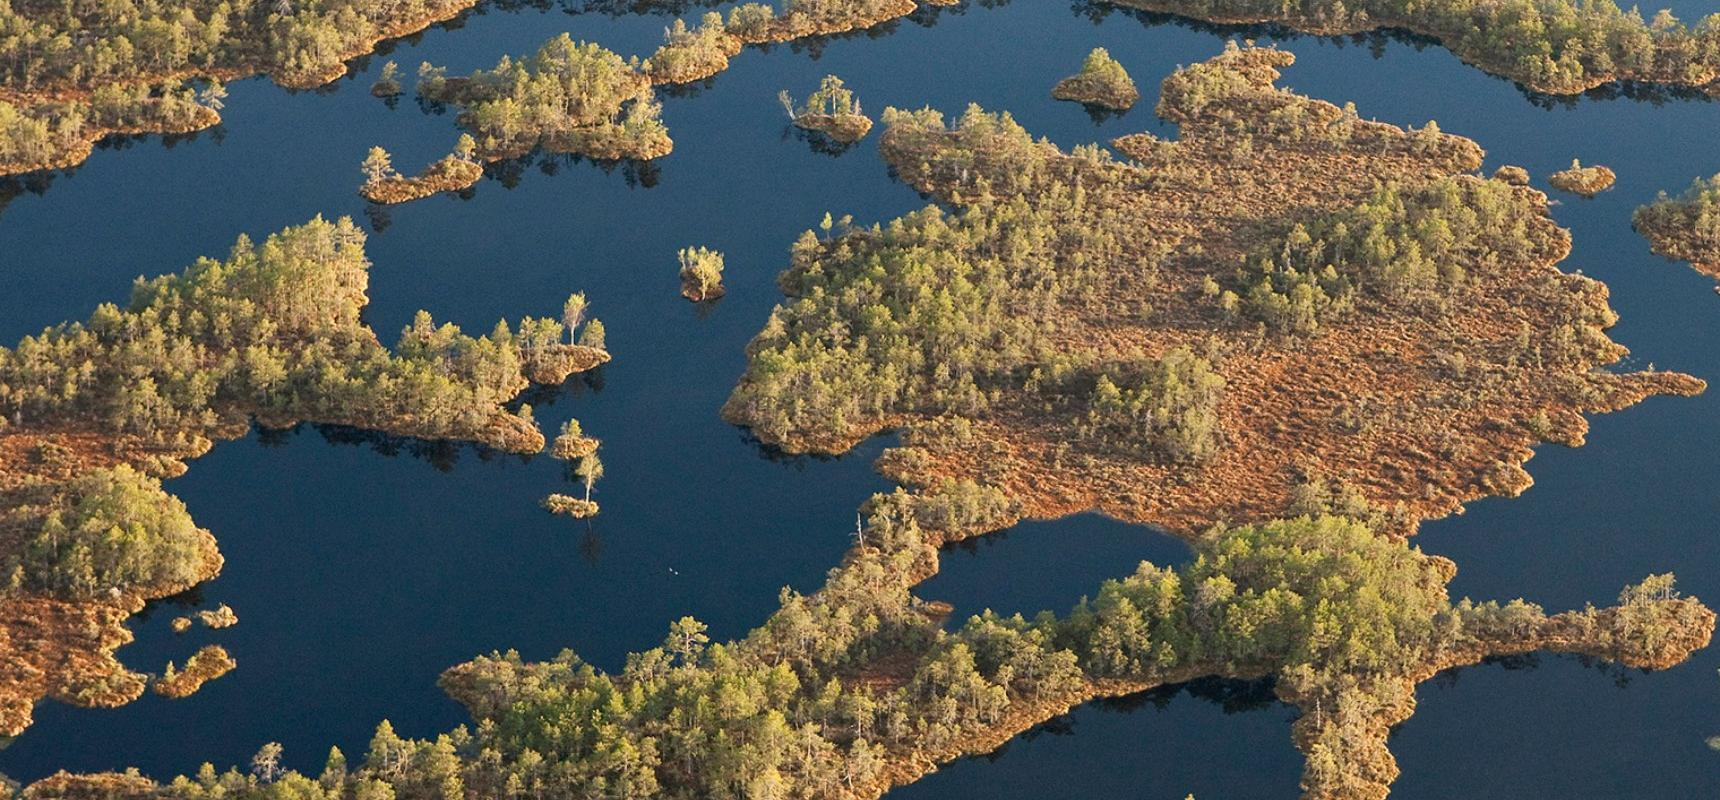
column 571, row 444
column 832, row 111
column 202, row 667
column 387, row 82
column 701, row 274
column 1582, row 181
column 569, row 506
column 1686, row 227
column 1101, row 83
column 450, row 174
column 568, row 97
column 222, row 617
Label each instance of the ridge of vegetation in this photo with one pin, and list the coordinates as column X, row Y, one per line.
column 1552, row 46
column 1287, row 305
column 854, row 689
column 94, row 414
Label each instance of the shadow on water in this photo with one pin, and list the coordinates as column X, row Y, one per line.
column 1044, row 565
column 1138, row 745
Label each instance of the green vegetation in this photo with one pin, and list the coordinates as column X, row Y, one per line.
column 272, row 331
column 1686, row 228
column 1555, row 46
column 1581, row 180
column 832, row 110
column 689, row 54
column 105, row 530
column 1101, row 82
column 388, row 81
column 934, row 313
column 71, row 74
column 567, row 97
column 1404, row 244
column 701, row 273
column 857, row 687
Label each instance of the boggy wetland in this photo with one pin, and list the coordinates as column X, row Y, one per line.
column 1036, row 333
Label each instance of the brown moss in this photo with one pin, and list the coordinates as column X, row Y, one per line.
column 1514, row 175
column 1419, row 405
column 569, row 506
column 844, row 128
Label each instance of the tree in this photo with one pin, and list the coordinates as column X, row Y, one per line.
column 465, row 148
column 590, row 470
column 213, row 95
column 266, row 764
column 687, row 640
column 573, row 313
column 701, row 272
column 592, row 336
column 378, row 166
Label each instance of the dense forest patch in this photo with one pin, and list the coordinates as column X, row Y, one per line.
column 1287, row 304
column 94, row 414
column 1687, row 227
column 1551, row 46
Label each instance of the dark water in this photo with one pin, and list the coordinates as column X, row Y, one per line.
column 361, row 570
